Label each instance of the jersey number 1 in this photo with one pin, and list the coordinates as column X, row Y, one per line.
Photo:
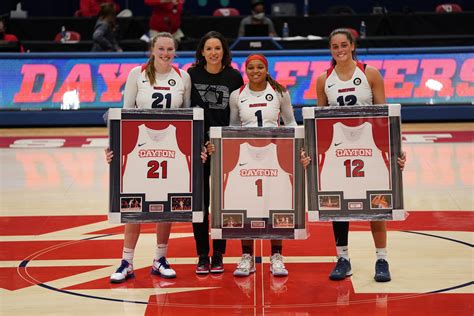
column 259, row 184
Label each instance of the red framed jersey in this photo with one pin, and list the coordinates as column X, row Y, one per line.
column 353, row 174
column 158, row 167
column 258, row 183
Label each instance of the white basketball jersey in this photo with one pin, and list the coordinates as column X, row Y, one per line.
column 353, row 163
column 156, row 166
column 166, row 93
column 257, row 183
column 260, row 108
column 357, row 90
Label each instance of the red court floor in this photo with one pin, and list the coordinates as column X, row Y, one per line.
column 57, row 249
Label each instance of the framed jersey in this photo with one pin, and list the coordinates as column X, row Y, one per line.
column 156, row 174
column 354, row 174
column 258, row 183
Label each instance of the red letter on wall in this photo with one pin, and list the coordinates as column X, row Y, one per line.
column 441, row 70
column 42, row 93
column 283, row 72
column 79, row 79
column 395, row 85
column 465, row 89
column 114, row 80
column 316, row 68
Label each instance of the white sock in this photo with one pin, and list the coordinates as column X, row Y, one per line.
column 342, row 251
column 381, row 253
column 127, row 254
column 161, row 250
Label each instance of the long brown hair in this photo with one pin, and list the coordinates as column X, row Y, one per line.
column 227, row 56
column 349, row 36
column 150, row 65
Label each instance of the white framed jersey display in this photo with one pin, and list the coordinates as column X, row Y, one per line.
column 156, row 174
column 354, row 174
column 257, row 183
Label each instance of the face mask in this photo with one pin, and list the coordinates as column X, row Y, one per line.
column 258, row 16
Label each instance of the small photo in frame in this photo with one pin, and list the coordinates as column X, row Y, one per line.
column 329, row 202
column 232, row 220
column 380, row 201
column 181, row 203
column 283, row 220
column 257, row 224
column 130, row 204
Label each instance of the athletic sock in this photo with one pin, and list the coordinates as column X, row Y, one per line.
column 342, row 251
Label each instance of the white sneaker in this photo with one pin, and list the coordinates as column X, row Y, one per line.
column 123, row 273
column 245, row 266
column 277, row 267
column 162, row 267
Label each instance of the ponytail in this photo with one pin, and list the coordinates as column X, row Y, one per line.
column 276, row 85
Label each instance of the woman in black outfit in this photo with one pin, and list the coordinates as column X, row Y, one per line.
column 213, row 79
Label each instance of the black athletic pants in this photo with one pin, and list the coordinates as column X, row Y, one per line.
column 341, row 233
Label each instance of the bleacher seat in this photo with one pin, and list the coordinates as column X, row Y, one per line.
column 226, row 12
column 448, row 8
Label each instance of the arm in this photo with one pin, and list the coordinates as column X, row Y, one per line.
column 243, row 22
column 286, row 110
column 234, row 109
column 187, row 89
column 376, row 83
column 99, row 37
column 271, row 28
column 321, row 94
column 131, row 88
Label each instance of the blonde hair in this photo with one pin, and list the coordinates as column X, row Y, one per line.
column 150, row 65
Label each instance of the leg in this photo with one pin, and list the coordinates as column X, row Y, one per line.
column 160, row 264
column 201, row 230
column 125, row 270
column 343, row 265
column 379, row 233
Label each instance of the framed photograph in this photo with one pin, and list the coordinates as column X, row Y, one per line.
column 354, row 174
column 257, row 175
column 156, row 166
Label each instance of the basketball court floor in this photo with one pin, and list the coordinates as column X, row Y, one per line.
column 57, row 249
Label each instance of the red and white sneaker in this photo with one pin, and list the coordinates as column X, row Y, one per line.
column 123, row 273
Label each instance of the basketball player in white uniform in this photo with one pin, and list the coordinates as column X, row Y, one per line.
column 354, row 158
column 349, row 82
column 155, row 85
column 260, row 103
column 257, row 183
column 156, row 166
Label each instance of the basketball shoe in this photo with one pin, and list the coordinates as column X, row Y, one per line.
column 382, row 273
column 162, row 267
column 202, row 265
column 277, row 267
column 342, row 269
column 245, row 266
column 123, row 273
column 217, row 265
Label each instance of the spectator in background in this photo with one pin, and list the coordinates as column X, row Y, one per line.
column 166, row 17
column 92, row 7
column 257, row 17
column 105, row 31
column 5, row 37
